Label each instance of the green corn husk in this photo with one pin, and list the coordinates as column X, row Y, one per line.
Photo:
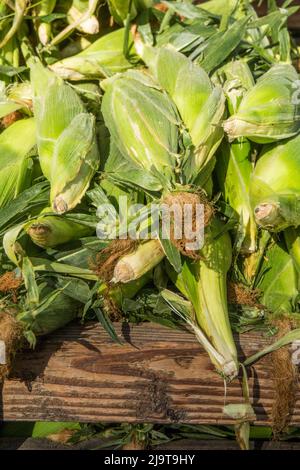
column 234, row 167
column 48, row 231
column 200, row 104
column 234, row 171
column 134, row 265
column 77, row 9
column 204, row 284
column 15, row 167
column 292, row 240
column 278, row 280
column 118, row 293
column 54, row 310
column 101, row 59
column 119, row 9
column 44, row 8
column 270, row 110
column 66, row 139
column 275, row 187
column 142, row 122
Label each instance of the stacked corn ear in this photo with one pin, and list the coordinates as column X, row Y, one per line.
column 54, row 310
column 66, row 141
column 211, row 311
column 200, row 104
column 143, row 124
column 275, row 188
column 48, row 231
column 15, row 165
column 102, row 58
column 269, row 111
column 234, row 166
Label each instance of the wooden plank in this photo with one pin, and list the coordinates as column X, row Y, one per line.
column 157, row 375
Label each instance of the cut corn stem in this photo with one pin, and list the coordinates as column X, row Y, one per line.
column 133, row 266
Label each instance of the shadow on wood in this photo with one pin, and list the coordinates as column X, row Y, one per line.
column 157, row 375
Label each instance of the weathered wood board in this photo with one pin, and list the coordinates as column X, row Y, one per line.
column 157, row 375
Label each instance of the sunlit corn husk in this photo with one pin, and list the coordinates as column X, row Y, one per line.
column 239, row 80
column 44, row 8
column 270, row 111
column 200, row 104
column 101, row 59
column 77, row 9
column 292, row 240
column 234, row 171
column 15, row 143
column 275, row 186
column 142, row 122
column 55, row 310
column 204, row 283
column 66, row 139
column 234, row 166
column 135, row 265
column 279, row 280
column 49, row 231
column 119, row 9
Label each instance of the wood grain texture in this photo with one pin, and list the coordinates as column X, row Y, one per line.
column 157, row 375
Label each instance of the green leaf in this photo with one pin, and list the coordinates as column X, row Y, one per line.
column 290, row 337
column 107, row 325
column 172, row 254
column 214, row 55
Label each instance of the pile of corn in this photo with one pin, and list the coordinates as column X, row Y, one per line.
column 165, row 103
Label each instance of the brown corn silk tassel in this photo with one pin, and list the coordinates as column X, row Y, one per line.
column 285, row 382
column 10, row 338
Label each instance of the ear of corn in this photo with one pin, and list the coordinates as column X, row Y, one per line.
column 275, row 189
column 66, row 140
column 15, row 143
column 134, row 265
column 234, row 171
column 269, row 111
column 101, row 59
column 54, row 311
column 200, row 104
column 48, row 231
column 142, row 122
column 204, row 284
column 234, row 167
